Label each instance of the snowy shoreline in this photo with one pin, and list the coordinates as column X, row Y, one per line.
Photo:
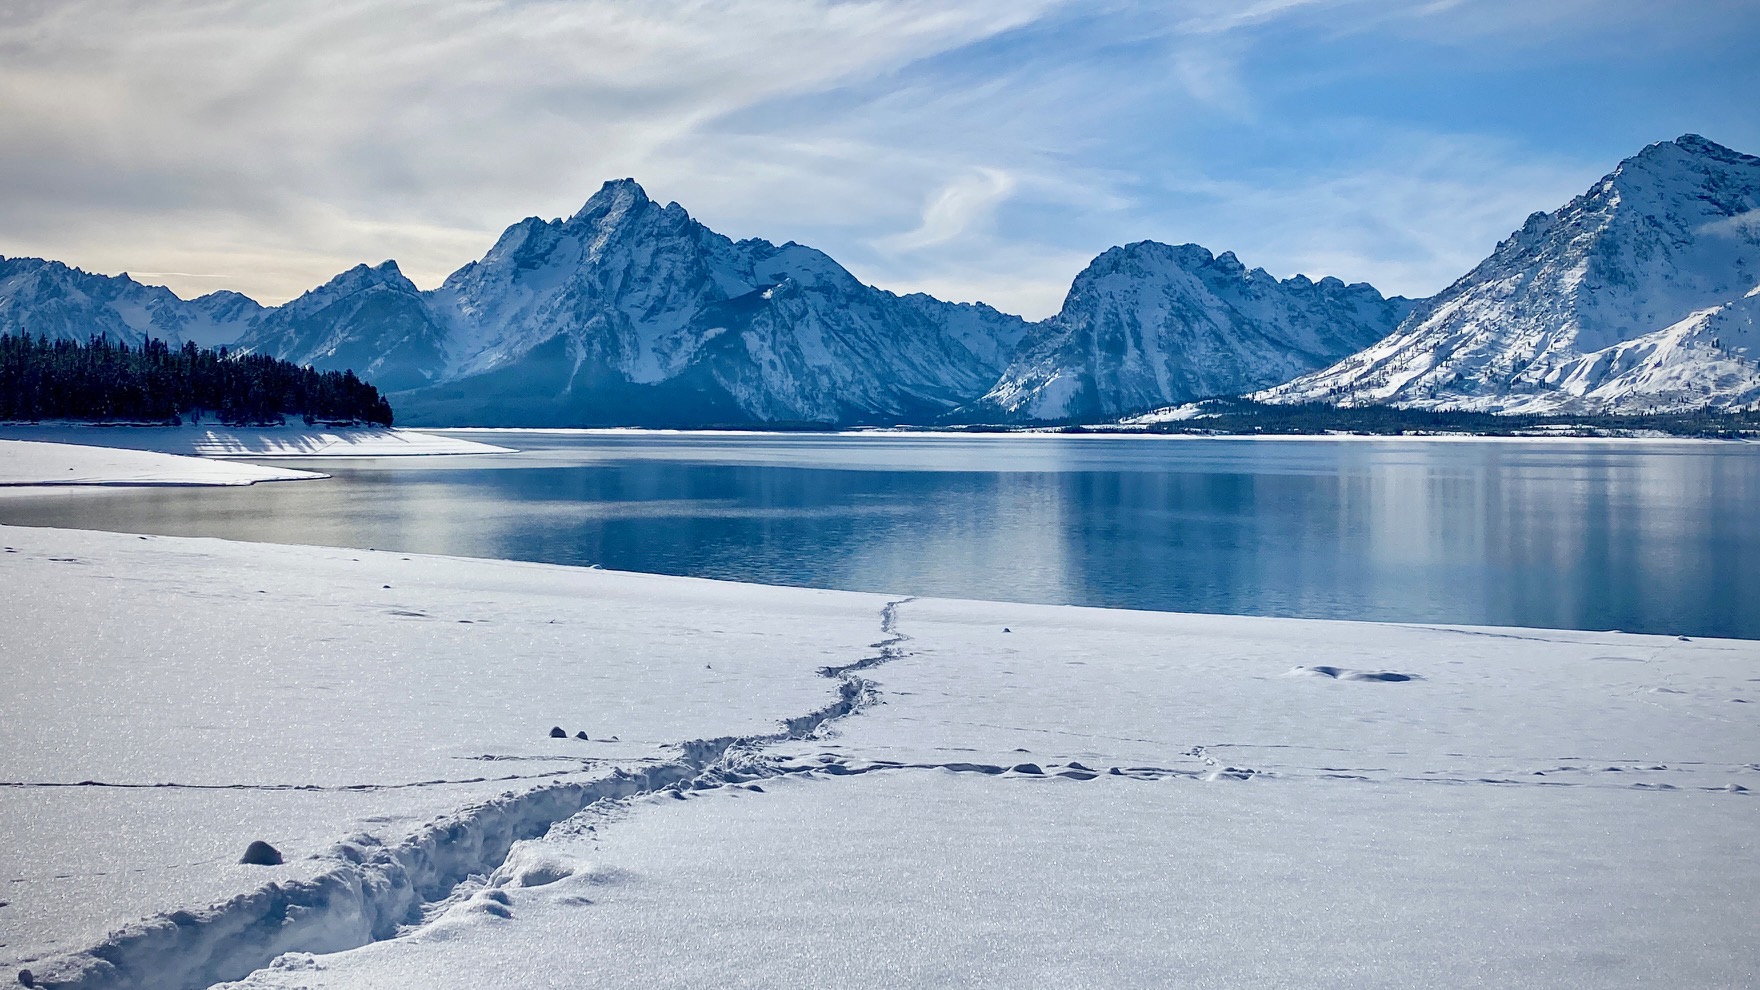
column 383, row 719
column 40, row 458
column 32, row 467
column 1107, row 434
column 250, row 442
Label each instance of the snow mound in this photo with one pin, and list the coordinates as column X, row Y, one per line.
column 533, row 866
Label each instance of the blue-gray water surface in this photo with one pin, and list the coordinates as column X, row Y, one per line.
column 1643, row 536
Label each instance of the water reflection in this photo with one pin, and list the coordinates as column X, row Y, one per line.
column 1657, row 538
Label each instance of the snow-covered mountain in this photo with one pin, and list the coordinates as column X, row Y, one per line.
column 630, row 312
column 1639, row 295
column 49, row 298
column 370, row 320
column 1150, row 324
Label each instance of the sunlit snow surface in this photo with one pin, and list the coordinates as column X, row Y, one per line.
column 1012, row 795
column 255, row 442
column 28, row 466
column 200, row 694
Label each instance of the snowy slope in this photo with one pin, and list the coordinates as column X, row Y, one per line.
column 632, row 313
column 1034, row 796
column 381, row 719
column 1149, row 324
column 48, row 298
column 369, row 320
column 1637, row 295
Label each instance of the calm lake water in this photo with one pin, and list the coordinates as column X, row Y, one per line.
column 1644, row 537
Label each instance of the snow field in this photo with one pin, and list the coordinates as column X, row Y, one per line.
column 1045, row 796
column 903, row 878
column 29, row 467
column 814, row 788
column 208, row 694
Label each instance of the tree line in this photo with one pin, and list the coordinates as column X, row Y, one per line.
column 1244, row 416
column 105, row 380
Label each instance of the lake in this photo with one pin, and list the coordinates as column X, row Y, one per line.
column 1659, row 537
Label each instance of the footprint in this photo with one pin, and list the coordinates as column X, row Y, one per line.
column 1346, row 674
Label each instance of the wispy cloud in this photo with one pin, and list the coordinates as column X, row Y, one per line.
column 965, row 201
column 314, row 133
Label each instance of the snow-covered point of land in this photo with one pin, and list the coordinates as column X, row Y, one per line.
column 253, row 442
column 1637, row 296
column 1149, row 325
column 27, row 465
column 882, row 792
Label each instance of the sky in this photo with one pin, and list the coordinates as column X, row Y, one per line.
column 974, row 149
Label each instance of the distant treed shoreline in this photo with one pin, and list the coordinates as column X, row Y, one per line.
column 103, row 380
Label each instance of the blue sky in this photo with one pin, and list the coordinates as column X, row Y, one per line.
column 978, row 149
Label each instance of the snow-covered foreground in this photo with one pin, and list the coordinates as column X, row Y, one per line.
column 254, row 442
column 381, row 720
column 28, row 465
column 928, row 793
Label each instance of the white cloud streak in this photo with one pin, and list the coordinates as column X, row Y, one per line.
column 965, row 202
column 299, row 136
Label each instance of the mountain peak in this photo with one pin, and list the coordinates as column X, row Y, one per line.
column 1697, row 145
column 1689, row 150
column 1599, row 306
column 361, row 277
column 615, row 197
column 1137, row 254
column 384, row 271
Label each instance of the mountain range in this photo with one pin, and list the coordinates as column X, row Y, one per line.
column 1638, row 295
column 50, row 299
